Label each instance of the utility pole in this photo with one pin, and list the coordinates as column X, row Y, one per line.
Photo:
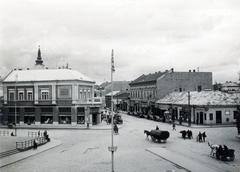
column 112, row 148
column 16, row 78
column 189, row 110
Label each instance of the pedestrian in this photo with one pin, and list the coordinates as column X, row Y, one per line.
column 39, row 133
column 204, row 136
column 34, row 144
column 200, row 136
column 157, row 128
column 174, row 126
column 12, row 134
column 115, row 128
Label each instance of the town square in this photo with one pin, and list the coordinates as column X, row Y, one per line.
column 119, row 85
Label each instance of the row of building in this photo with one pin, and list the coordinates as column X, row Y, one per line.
column 186, row 96
column 43, row 96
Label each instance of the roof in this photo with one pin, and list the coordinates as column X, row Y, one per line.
column 114, row 93
column 45, row 75
column 148, row 78
column 230, row 84
column 201, row 98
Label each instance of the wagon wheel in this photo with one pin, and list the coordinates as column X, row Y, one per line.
column 153, row 138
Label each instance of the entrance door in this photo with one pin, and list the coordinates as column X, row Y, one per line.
column 218, row 117
column 201, row 117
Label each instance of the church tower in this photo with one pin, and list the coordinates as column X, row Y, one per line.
column 39, row 62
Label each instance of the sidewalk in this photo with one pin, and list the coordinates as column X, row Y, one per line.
column 182, row 161
column 185, row 124
column 101, row 126
column 23, row 155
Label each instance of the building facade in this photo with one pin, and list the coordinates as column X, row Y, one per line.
column 147, row 89
column 49, row 96
column 205, row 107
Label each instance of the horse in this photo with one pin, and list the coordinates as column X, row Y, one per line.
column 214, row 148
column 147, row 133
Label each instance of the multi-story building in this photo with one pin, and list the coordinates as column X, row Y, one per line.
column 49, row 96
column 147, row 89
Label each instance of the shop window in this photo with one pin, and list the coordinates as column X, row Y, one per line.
column 210, row 116
column 29, row 110
column 29, row 120
column 46, row 119
column 64, row 119
column 80, row 120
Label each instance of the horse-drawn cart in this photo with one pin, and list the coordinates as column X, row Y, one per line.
column 158, row 135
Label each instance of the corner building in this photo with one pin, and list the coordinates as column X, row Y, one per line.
column 50, row 96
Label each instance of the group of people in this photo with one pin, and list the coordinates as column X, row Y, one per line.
column 221, row 151
column 186, row 134
column 201, row 137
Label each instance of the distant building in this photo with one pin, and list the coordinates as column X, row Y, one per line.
column 206, row 107
column 50, row 96
column 230, row 87
column 120, row 100
column 147, row 89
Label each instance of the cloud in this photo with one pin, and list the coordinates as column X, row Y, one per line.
column 147, row 36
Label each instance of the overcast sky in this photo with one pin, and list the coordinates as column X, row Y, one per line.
column 146, row 35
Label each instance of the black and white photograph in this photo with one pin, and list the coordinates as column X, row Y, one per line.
column 119, row 86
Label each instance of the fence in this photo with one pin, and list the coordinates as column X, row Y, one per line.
column 4, row 133
column 28, row 144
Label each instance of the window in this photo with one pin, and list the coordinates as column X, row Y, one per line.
column 205, row 116
column 29, row 95
column 21, row 95
column 227, row 112
column 44, row 94
column 11, row 95
column 210, row 116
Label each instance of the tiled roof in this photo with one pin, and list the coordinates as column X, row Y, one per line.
column 148, row 78
column 201, row 98
column 45, row 75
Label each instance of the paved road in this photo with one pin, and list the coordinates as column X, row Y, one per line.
column 87, row 150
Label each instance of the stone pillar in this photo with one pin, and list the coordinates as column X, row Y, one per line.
column 54, row 94
column 37, row 116
column 74, row 93
column 55, row 115
column 74, row 115
column 21, row 116
column 5, row 94
column 36, row 94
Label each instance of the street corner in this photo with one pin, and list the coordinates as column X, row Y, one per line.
column 26, row 154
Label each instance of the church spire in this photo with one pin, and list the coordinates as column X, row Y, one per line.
column 39, row 60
